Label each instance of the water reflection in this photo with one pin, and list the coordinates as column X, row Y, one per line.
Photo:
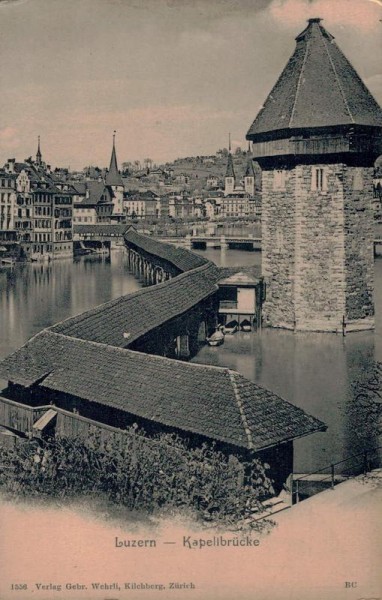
column 321, row 373
column 37, row 295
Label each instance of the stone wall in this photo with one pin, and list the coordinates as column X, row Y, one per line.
column 278, row 250
column 318, row 247
column 359, row 247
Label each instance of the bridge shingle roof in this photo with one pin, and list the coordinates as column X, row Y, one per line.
column 213, row 402
column 105, row 229
column 134, row 315
column 182, row 259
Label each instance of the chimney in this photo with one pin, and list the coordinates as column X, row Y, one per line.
column 11, row 165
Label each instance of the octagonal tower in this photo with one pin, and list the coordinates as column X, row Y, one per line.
column 316, row 139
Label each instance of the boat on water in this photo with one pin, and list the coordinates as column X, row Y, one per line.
column 7, row 261
column 37, row 257
column 83, row 251
column 231, row 327
column 216, row 339
column 245, row 325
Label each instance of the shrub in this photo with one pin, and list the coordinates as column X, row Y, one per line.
column 140, row 473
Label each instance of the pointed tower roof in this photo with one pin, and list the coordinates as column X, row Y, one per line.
column 230, row 172
column 113, row 176
column 38, row 153
column 318, row 88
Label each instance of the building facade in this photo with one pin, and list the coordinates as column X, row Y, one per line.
column 7, row 200
column 43, row 210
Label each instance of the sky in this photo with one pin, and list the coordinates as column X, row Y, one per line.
column 172, row 77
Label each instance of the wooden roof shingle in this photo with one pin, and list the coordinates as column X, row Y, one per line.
column 213, row 402
column 122, row 321
column 182, row 259
column 317, row 88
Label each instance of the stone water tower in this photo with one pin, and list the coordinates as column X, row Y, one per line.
column 316, row 139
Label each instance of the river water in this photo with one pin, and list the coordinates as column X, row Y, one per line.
column 318, row 372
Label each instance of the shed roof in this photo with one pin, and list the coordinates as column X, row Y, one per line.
column 318, row 88
column 213, row 402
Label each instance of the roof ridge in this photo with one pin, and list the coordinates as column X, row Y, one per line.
column 307, row 46
column 138, row 293
column 258, row 386
column 136, row 352
column 166, row 245
column 337, row 78
column 248, row 433
column 26, row 343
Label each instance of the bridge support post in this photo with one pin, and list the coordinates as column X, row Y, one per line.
column 223, row 243
column 182, row 347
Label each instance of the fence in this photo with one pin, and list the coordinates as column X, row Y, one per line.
column 309, row 484
column 19, row 417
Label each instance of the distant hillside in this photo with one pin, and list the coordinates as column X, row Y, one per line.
column 199, row 168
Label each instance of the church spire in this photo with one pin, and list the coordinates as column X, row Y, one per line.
column 230, row 172
column 229, row 180
column 38, row 153
column 113, row 176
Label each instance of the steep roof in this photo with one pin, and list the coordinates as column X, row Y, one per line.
column 318, row 88
column 113, row 176
column 122, row 321
column 94, row 190
column 230, row 172
column 214, row 402
column 79, row 187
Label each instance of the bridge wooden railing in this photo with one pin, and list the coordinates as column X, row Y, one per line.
column 19, row 417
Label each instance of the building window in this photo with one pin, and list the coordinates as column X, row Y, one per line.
column 319, row 182
column 279, row 180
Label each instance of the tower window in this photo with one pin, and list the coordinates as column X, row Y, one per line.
column 319, row 179
column 358, row 179
column 279, row 180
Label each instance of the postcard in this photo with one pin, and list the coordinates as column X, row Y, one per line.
column 190, row 299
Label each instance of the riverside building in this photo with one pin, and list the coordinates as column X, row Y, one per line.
column 43, row 209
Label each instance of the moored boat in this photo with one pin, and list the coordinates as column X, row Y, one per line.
column 216, row 339
column 231, row 327
column 245, row 325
